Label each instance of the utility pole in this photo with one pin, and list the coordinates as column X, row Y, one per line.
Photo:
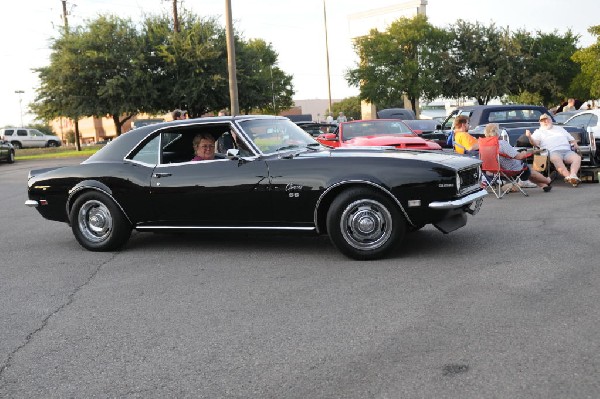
column 175, row 17
column 327, row 56
column 233, row 89
column 65, row 20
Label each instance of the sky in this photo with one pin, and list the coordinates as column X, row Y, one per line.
column 296, row 30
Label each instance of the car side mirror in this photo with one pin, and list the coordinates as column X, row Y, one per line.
column 438, row 126
column 328, row 136
column 233, row 153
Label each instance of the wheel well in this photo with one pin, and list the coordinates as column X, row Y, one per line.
column 79, row 191
column 329, row 196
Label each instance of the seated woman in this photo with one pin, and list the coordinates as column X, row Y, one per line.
column 512, row 159
column 204, row 147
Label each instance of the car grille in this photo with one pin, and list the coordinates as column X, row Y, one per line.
column 469, row 179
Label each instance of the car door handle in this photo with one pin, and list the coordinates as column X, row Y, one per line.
column 159, row 175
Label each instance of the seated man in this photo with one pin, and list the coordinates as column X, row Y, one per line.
column 204, row 147
column 561, row 146
column 464, row 143
column 512, row 159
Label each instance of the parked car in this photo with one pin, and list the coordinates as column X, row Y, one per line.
column 7, row 151
column 316, row 128
column 396, row 113
column 514, row 120
column 561, row 117
column 376, row 132
column 425, row 127
column 276, row 178
column 588, row 121
column 28, row 138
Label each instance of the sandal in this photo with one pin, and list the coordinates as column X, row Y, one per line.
column 547, row 188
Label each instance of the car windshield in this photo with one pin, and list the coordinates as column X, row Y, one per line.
column 272, row 135
column 421, row 124
column 370, row 128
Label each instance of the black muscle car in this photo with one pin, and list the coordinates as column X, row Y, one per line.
column 268, row 174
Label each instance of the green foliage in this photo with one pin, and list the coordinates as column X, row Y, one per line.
column 350, row 106
column 112, row 67
column 261, row 84
column 525, row 98
column 400, row 61
column 545, row 64
column 70, row 137
column 471, row 60
column 587, row 83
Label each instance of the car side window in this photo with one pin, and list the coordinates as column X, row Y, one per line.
column 148, row 153
column 8, row 132
column 579, row 120
column 36, row 133
column 21, row 132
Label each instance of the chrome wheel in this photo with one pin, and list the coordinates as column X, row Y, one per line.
column 95, row 221
column 366, row 224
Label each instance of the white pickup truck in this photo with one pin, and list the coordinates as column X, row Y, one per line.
column 24, row 137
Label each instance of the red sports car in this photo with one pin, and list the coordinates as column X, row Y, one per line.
column 376, row 132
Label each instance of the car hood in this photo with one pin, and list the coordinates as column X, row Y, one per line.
column 407, row 142
column 446, row 158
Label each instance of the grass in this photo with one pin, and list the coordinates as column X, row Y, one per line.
column 57, row 152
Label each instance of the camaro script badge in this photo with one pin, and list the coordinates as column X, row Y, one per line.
column 293, row 187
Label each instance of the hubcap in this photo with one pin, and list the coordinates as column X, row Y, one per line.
column 95, row 221
column 366, row 224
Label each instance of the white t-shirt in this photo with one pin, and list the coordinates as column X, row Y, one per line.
column 554, row 139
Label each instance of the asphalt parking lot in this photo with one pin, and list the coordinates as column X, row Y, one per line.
column 506, row 307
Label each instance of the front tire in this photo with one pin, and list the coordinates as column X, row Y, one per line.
column 364, row 224
column 52, row 143
column 97, row 222
column 11, row 157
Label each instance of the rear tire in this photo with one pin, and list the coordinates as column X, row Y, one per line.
column 17, row 145
column 364, row 224
column 11, row 157
column 97, row 222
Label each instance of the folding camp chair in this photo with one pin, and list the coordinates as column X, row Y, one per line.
column 494, row 176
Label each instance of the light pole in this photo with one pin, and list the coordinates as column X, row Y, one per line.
column 19, row 92
column 231, row 66
column 327, row 55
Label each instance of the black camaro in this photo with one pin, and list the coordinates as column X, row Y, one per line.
column 268, row 174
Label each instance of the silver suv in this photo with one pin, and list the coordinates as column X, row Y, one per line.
column 24, row 137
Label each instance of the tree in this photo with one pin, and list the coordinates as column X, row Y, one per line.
column 262, row 84
column 62, row 90
column 587, row 83
column 403, row 60
column 544, row 64
column 478, row 63
column 350, row 106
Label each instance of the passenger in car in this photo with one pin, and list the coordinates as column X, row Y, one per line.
column 204, row 147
